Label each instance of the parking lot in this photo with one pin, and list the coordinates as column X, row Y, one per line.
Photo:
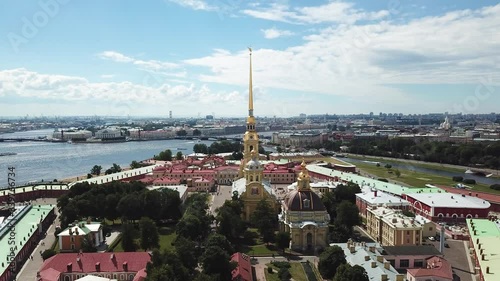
column 457, row 254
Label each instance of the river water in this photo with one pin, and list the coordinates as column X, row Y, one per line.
column 49, row 161
column 410, row 167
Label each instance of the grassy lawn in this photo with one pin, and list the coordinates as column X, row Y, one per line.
column 252, row 245
column 296, row 270
column 167, row 236
column 435, row 166
column 416, row 179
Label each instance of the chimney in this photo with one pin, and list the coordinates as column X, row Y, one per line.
column 483, row 257
column 367, row 258
column 97, row 266
column 352, row 249
column 70, row 231
column 383, row 277
column 372, row 249
column 76, row 231
column 400, row 277
column 380, row 258
column 387, row 265
column 487, row 270
column 374, row 264
column 375, row 193
column 125, row 266
column 69, row 267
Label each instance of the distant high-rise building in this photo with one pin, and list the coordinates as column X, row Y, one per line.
column 302, row 115
column 209, row 117
column 170, row 114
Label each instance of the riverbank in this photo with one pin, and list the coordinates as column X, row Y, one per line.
column 416, row 179
column 430, row 165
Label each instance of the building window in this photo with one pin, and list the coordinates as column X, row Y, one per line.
column 418, row 263
column 404, row 263
column 306, row 203
column 72, row 239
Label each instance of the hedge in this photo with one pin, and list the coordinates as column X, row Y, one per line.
column 469, row 181
column 457, row 178
column 495, row 186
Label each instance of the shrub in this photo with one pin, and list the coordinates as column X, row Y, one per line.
column 457, row 178
column 281, row 264
column 48, row 253
column 270, row 269
column 284, row 274
column 469, row 181
column 384, row 180
column 388, row 166
column 378, row 164
column 495, row 186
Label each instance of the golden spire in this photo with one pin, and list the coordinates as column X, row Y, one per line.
column 250, row 91
column 304, row 179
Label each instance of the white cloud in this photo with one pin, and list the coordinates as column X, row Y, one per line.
column 361, row 60
column 332, row 12
column 107, row 76
column 146, row 65
column 273, row 33
column 116, row 96
column 194, row 4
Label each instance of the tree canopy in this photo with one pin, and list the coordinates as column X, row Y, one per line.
column 331, row 258
column 346, row 272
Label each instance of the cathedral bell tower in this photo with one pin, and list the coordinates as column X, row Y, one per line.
column 251, row 138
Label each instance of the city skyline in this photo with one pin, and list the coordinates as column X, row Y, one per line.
column 120, row 58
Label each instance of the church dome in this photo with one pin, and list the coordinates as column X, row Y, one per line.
column 254, row 163
column 303, row 200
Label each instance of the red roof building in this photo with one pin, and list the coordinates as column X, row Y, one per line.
column 71, row 266
column 437, row 269
column 243, row 271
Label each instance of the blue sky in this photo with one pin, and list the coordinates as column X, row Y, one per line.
column 145, row 58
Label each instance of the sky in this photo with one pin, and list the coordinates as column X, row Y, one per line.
column 191, row 57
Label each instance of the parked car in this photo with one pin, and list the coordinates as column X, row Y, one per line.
column 431, row 238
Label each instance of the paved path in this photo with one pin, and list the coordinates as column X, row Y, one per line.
column 31, row 267
column 218, row 198
column 260, row 264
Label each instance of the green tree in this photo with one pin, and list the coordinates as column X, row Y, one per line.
column 181, row 133
column 229, row 221
column 135, row 165
column 191, row 227
column 96, row 170
column 330, row 260
column 128, row 237
column 264, row 219
column 187, row 251
column 164, row 155
column 149, row 234
column 196, row 132
column 397, row 173
column 130, row 206
column 347, row 214
column 282, row 240
column 200, row 148
column 179, row 156
column 346, row 272
column 88, row 246
column 215, row 260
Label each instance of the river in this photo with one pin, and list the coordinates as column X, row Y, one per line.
column 410, row 167
column 49, row 161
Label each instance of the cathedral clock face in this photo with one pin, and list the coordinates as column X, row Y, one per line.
column 251, row 137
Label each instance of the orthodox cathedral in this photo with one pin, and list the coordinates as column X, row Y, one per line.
column 251, row 186
column 303, row 214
